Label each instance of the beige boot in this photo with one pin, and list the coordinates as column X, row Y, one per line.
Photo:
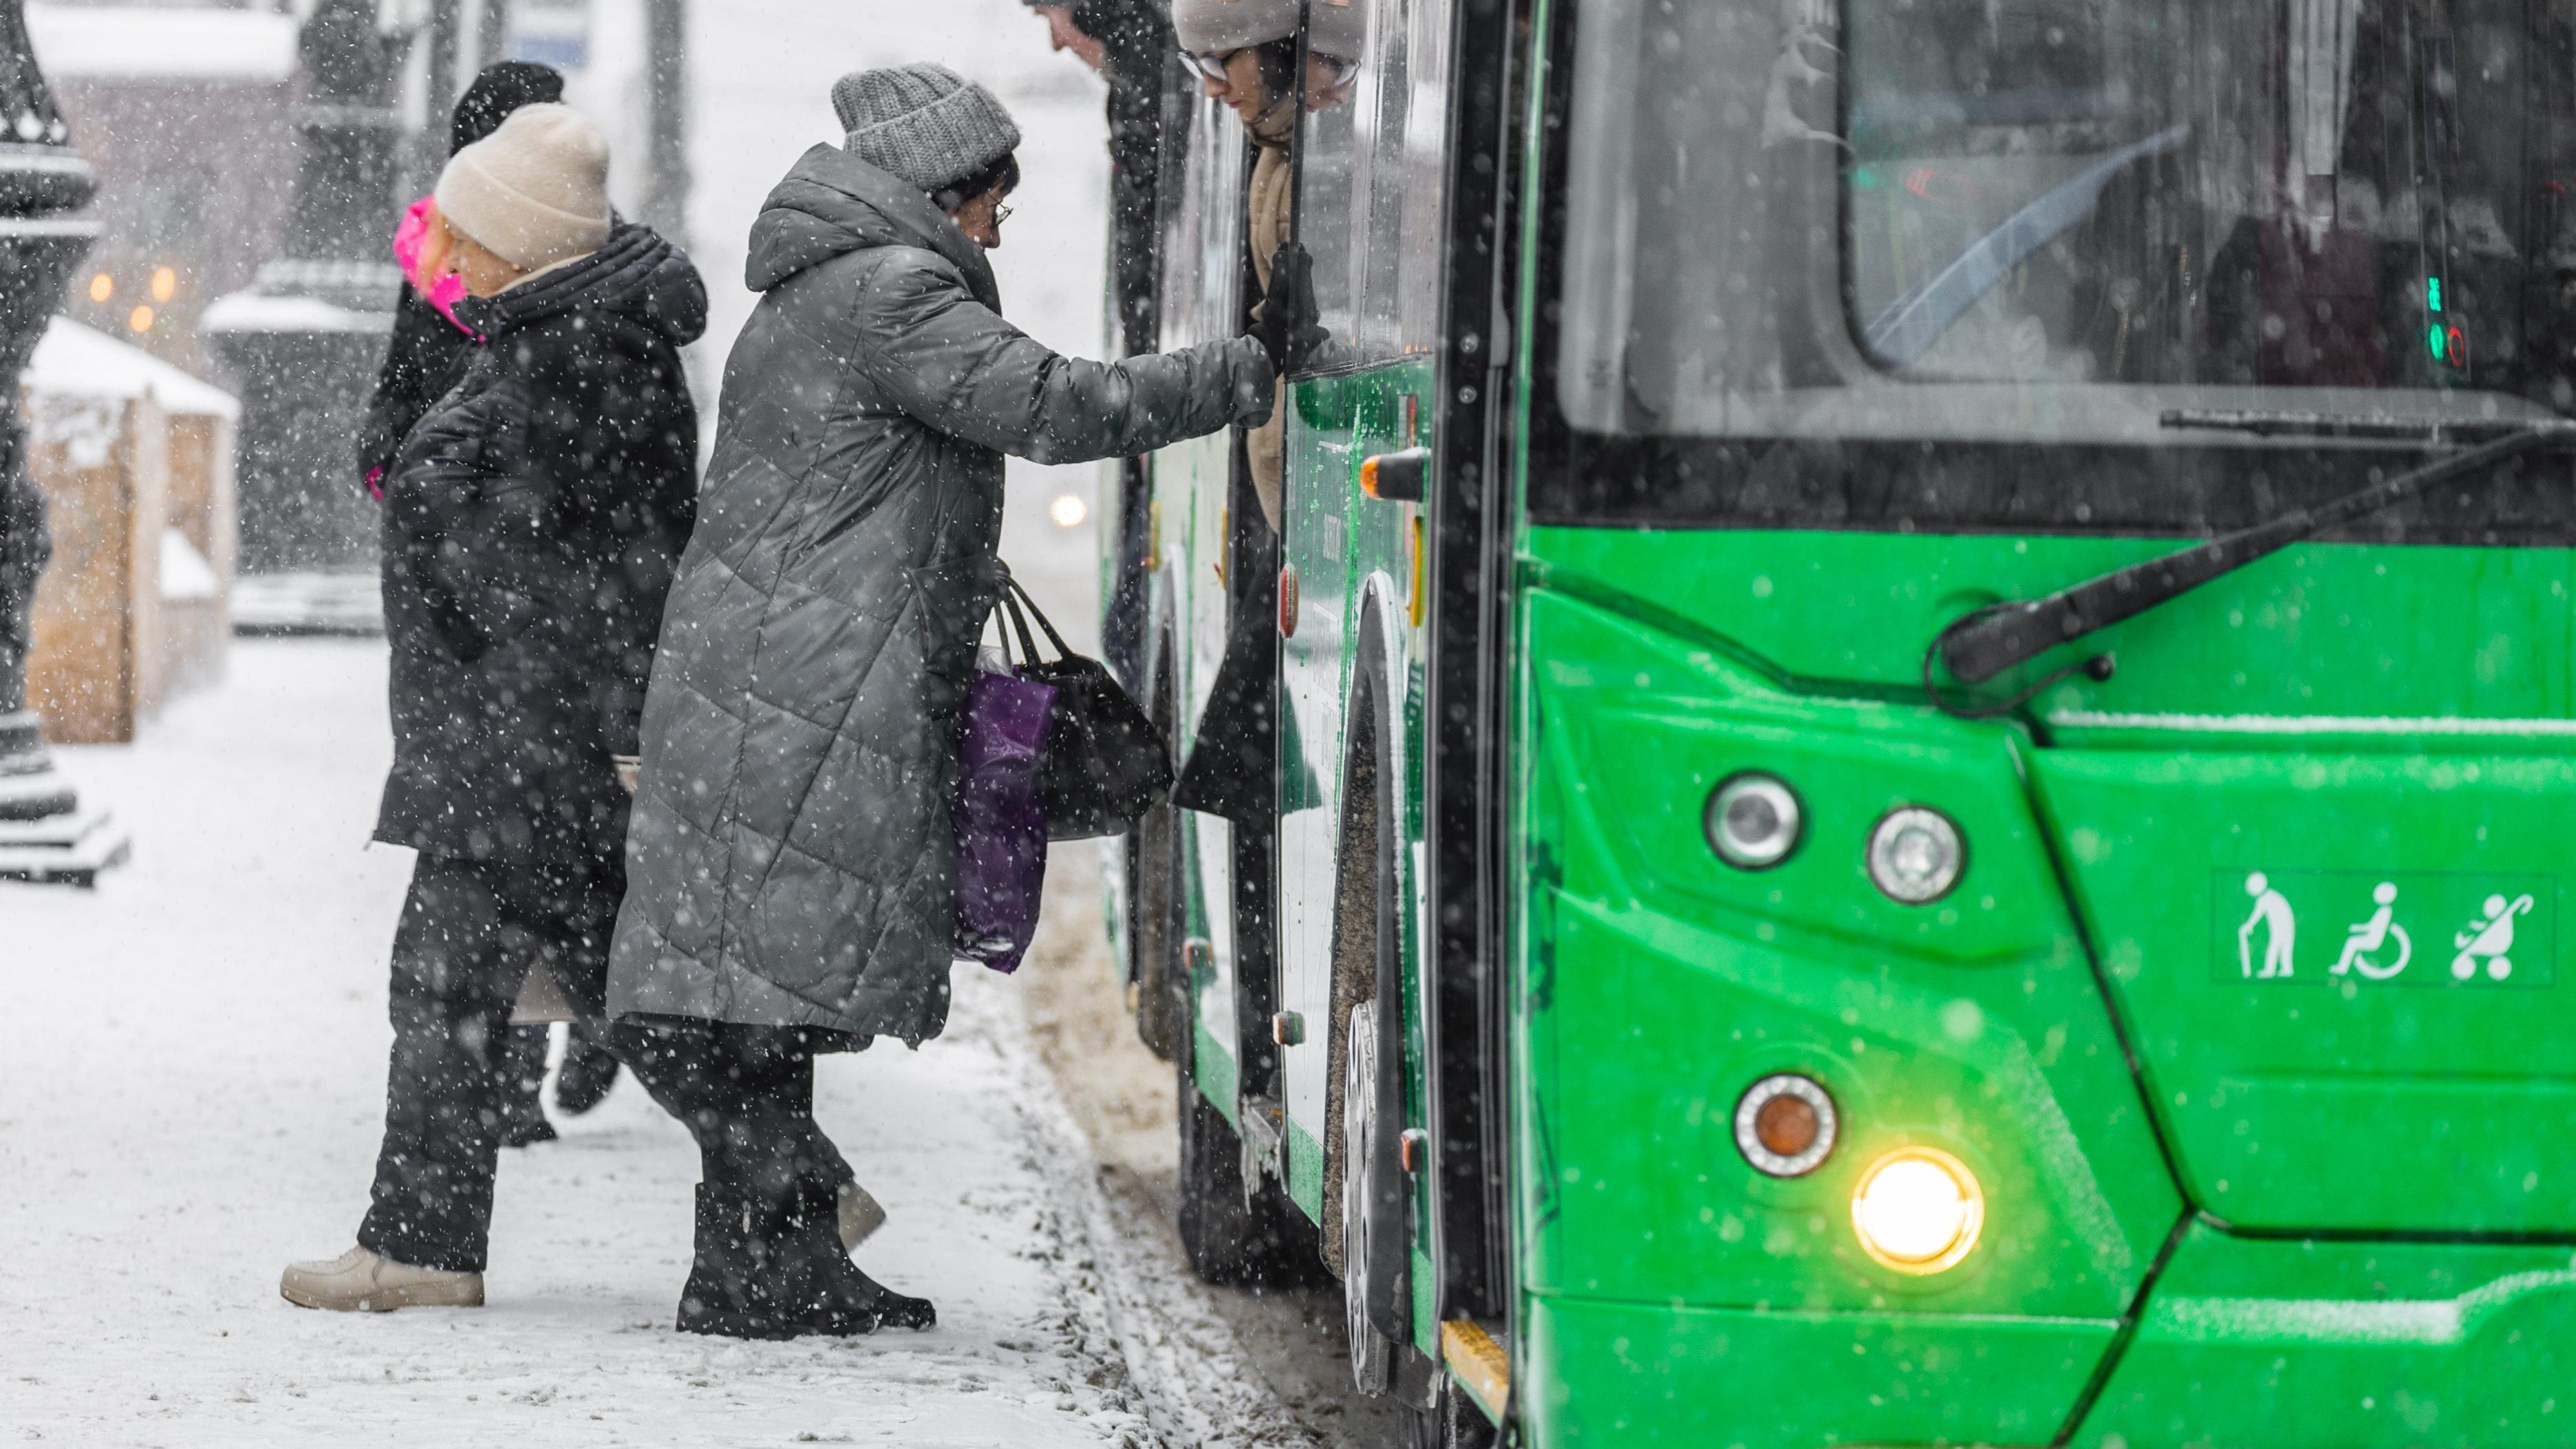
column 362, row 1282
column 860, row 1215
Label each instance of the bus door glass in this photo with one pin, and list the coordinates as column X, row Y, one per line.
column 1187, row 522
column 1370, row 186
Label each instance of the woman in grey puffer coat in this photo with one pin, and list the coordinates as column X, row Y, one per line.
column 791, row 869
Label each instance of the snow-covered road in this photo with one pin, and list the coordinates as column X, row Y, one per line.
column 191, row 1083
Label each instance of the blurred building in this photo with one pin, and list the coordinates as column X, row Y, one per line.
column 185, row 113
column 254, row 157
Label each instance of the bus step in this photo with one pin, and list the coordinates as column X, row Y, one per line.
column 1264, row 1124
column 1479, row 1363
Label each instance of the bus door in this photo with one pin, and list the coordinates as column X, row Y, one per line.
column 1187, row 524
column 1370, row 189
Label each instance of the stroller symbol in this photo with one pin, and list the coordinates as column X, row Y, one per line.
column 2488, row 938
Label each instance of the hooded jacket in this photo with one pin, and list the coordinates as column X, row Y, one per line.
column 791, row 862
column 532, row 520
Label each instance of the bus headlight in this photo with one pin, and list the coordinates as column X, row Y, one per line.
column 1753, row 821
column 1918, row 1210
column 1915, row 855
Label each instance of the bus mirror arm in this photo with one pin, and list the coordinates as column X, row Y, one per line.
column 1984, row 643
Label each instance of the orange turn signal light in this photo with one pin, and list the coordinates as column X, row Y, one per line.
column 1396, row 477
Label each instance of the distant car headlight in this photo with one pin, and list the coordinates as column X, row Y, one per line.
column 1753, row 821
column 1916, row 855
column 1918, row 1210
column 1785, row 1125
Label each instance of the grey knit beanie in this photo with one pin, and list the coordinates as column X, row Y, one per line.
column 924, row 123
column 1213, row 27
column 535, row 191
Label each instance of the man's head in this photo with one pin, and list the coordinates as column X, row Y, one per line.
column 1064, row 32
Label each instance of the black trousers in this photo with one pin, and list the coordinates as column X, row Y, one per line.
column 751, row 1089
column 470, row 933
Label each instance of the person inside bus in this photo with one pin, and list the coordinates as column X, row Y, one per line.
column 1245, row 52
column 1129, row 43
column 792, row 865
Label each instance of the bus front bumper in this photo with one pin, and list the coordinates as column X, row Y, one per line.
column 2252, row 1344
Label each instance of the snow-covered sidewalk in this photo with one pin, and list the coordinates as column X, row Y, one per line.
column 191, row 1082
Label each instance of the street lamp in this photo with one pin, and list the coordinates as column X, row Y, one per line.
column 44, row 834
column 301, row 345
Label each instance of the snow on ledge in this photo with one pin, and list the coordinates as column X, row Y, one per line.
column 185, row 574
column 78, row 361
column 255, row 312
column 153, row 42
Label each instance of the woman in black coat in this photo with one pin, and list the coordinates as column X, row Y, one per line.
column 532, row 519
column 426, row 357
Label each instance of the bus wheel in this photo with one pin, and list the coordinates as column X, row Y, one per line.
column 1372, row 1236
column 1231, row 1231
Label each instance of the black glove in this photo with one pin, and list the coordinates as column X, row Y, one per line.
column 1288, row 328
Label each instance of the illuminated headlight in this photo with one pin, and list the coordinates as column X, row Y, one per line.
column 1753, row 821
column 1918, row 1210
column 1915, row 855
column 1784, row 1125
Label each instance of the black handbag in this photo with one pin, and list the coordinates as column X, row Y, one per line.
column 1105, row 763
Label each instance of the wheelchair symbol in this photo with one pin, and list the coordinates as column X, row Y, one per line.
column 2371, row 936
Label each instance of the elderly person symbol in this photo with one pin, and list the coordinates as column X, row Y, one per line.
column 792, row 868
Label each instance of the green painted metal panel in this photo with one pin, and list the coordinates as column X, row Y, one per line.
column 1651, row 1376
column 2320, row 630
column 2320, row 1062
column 1305, row 1171
column 1663, row 984
column 2342, row 718
column 2353, row 1345
column 1214, row 1072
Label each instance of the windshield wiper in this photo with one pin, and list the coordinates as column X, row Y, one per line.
column 1985, row 643
column 2288, row 423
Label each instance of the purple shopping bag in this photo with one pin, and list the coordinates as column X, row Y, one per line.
column 1001, row 826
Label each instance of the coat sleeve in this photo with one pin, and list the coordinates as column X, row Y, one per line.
column 461, row 507
column 954, row 364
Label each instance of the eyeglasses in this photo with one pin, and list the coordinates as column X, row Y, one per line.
column 1001, row 212
column 1211, row 63
column 1337, row 71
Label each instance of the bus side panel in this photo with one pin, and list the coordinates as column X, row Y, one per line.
column 1352, row 559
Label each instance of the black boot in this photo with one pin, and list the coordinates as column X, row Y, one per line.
column 523, row 1079
column 835, row 1289
column 893, row 1310
column 589, row 1070
column 845, row 1281
column 763, row 1273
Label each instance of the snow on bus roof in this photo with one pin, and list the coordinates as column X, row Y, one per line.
column 78, row 361
column 156, row 42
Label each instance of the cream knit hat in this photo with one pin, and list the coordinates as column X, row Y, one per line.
column 535, row 191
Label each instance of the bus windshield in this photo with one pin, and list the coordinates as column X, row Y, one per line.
column 2085, row 222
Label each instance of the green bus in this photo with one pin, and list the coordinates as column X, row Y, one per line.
column 1926, row 678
